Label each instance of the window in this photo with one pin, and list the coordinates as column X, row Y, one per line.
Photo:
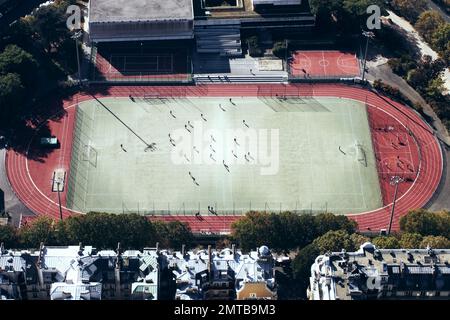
column 252, row 295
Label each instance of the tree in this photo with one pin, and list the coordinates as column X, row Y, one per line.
column 173, row 234
column 417, row 78
column 435, row 87
column 254, row 47
column 254, row 230
column 334, row 241
column 295, row 230
column 410, row 9
column 50, row 24
column 136, row 231
column 11, row 97
column 8, row 235
column 440, row 38
column 301, row 267
column 386, row 242
column 131, row 230
column 435, row 242
column 279, row 49
column 40, row 230
column 16, row 60
column 325, row 6
column 428, row 23
column 328, row 221
column 359, row 7
column 87, row 228
column 287, row 230
column 358, row 240
column 426, row 223
column 345, row 14
column 410, row 240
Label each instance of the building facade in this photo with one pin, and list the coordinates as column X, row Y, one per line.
column 372, row 273
column 84, row 273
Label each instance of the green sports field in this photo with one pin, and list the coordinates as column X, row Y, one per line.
column 289, row 154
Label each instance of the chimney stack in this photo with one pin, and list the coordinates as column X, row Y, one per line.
column 183, row 251
column 233, row 249
column 2, row 248
column 157, row 247
column 209, row 262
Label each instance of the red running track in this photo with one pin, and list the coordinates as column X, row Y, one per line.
column 418, row 155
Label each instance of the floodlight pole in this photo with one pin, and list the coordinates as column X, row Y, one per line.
column 76, row 36
column 58, row 183
column 395, row 180
column 368, row 35
column 59, row 201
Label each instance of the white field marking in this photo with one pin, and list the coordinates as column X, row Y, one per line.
column 88, row 165
column 349, row 214
column 31, row 179
column 412, row 185
column 359, row 172
column 342, row 65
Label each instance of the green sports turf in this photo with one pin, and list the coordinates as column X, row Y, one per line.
column 312, row 173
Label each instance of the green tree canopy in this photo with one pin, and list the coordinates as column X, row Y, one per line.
column 301, row 267
column 253, row 230
column 11, row 97
column 49, row 22
column 287, row 230
column 347, row 14
column 100, row 230
column 8, row 235
column 328, row 6
column 131, row 230
column 441, row 38
column 386, row 242
column 173, row 234
column 358, row 240
column 410, row 9
column 40, row 230
column 428, row 23
column 328, row 221
column 426, row 223
column 334, row 241
column 435, row 242
column 136, row 231
column 410, row 240
column 16, row 60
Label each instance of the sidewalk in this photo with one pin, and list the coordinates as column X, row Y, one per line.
column 12, row 204
column 425, row 49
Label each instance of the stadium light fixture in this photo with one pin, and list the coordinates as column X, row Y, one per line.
column 368, row 35
column 396, row 180
column 76, row 37
column 58, row 183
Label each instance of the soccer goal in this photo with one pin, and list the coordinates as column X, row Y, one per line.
column 90, row 155
column 361, row 154
column 154, row 98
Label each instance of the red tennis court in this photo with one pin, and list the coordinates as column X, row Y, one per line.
column 323, row 64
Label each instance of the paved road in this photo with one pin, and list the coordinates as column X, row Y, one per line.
column 441, row 201
column 434, row 6
column 12, row 203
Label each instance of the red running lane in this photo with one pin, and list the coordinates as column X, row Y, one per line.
column 31, row 180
